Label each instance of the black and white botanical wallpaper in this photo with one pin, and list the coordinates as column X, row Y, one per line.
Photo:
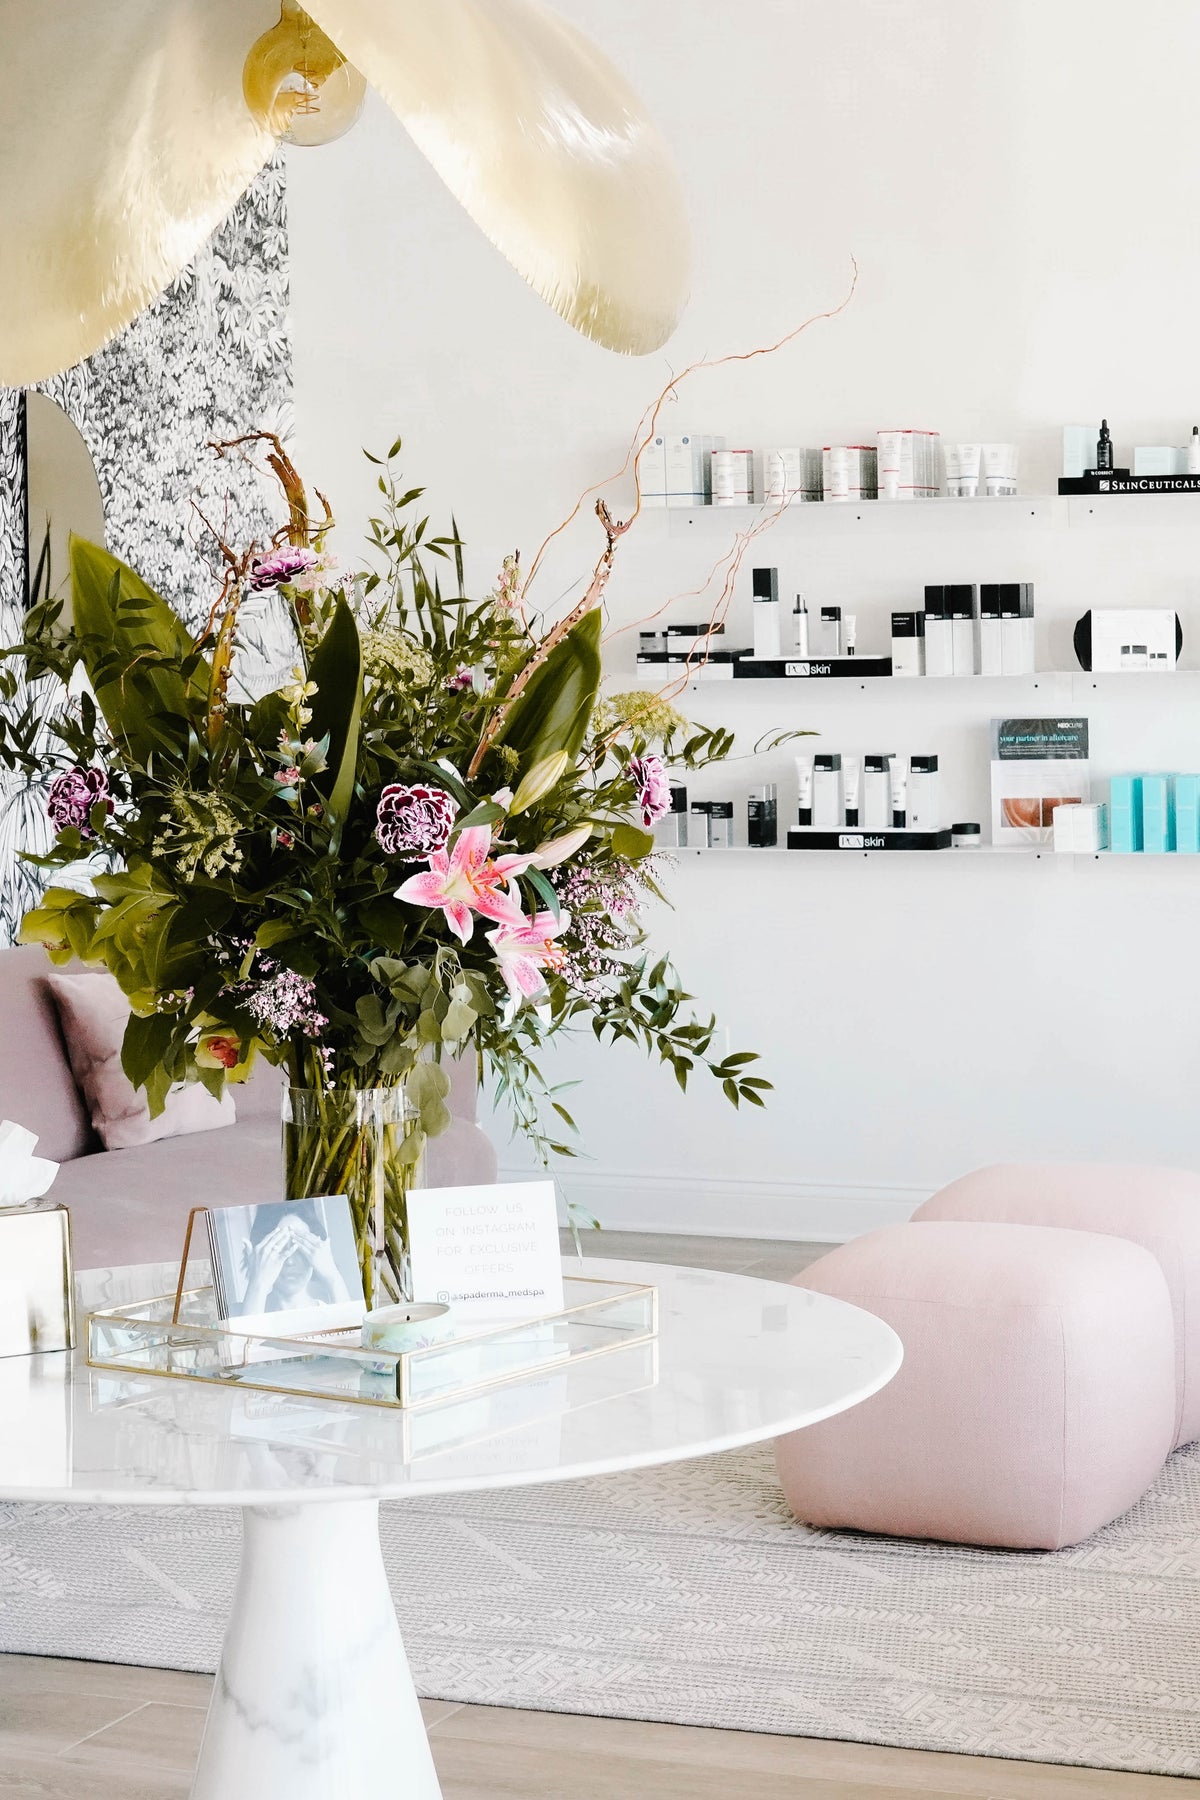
column 210, row 359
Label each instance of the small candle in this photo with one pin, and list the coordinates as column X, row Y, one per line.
column 412, row 1326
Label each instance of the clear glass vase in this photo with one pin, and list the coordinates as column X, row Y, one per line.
column 365, row 1143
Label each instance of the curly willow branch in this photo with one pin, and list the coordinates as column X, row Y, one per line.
column 648, row 424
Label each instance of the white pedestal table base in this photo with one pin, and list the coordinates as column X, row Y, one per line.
column 314, row 1699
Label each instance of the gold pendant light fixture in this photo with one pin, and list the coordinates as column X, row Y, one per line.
column 297, row 83
column 160, row 113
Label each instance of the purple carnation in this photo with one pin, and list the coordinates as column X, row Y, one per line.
column 417, row 819
column 72, row 796
column 649, row 776
column 283, row 564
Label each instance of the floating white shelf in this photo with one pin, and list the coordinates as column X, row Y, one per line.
column 1033, row 854
column 1111, row 683
column 1008, row 513
column 1011, row 512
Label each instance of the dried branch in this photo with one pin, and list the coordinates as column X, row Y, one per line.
column 299, row 528
column 648, row 424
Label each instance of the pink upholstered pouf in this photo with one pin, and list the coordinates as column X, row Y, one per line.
column 1037, row 1396
column 1159, row 1208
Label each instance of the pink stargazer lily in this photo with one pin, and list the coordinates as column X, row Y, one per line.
column 465, row 880
column 524, row 948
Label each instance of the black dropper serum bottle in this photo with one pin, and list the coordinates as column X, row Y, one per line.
column 1104, row 454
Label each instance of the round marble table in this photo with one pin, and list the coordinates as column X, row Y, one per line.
column 314, row 1699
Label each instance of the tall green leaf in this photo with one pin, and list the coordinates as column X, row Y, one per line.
column 553, row 712
column 336, row 668
column 131, row 642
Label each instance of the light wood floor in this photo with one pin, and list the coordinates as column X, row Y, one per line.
column 91, row 1731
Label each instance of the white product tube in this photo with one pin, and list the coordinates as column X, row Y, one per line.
column 827, row 806
column 1000, row 468
column 851, row 786
column 876, row 800
column 962, row 470
column 899, row 786
column 804, row 788
column 849, row 634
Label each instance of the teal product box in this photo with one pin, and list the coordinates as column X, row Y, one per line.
column 1187, row 814
column 1158, row 814
column 1125, row 813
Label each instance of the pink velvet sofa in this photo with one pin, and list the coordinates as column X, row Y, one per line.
column 132, row 1205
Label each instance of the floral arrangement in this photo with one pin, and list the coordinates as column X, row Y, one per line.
column 434, row 839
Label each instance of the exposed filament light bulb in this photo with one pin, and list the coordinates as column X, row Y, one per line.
column 297, row 83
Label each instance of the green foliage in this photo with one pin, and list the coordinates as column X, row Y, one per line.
column 336, row 668
column 149, row 683
column 551, row 716
column 249, row 905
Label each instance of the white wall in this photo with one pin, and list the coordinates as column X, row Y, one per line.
column 1018, row 183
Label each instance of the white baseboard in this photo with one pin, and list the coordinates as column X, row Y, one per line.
column 793, row 1211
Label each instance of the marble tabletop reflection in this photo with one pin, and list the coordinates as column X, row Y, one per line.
column 737, row 1360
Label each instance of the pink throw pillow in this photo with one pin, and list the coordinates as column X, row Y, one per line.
column 93, row 1013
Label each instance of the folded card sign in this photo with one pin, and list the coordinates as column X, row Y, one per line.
column 491, row 1252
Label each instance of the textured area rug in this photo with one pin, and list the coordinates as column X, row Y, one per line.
column 689, row 1595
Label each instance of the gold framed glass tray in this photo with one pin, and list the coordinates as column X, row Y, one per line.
column 146, row 1338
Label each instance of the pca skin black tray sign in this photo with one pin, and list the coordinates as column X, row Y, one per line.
column 832, row 668
column 808, row 839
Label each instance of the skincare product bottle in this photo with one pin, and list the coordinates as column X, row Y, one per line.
column 899, row 785
column 762, row 817
column 990, row 615
column 908, row 643
column 962, row 601
column 652, row 473
column 1016, row 628
column 830, row 641
column 1104, row 449
column 671, row 832
column 852, row 772
column 732, row 477
column 966, row 835
column 939, row 633
column 720, row 824
column 1077, row 450
column 699, row 827
column 768, row 638
column 923, row 810
column 849, row 634
column 827, row 803
column 800, row 628
column 876, row 794
column 1000, row 468
column 804, row 790
column 1193, row 451
column 962, row 470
